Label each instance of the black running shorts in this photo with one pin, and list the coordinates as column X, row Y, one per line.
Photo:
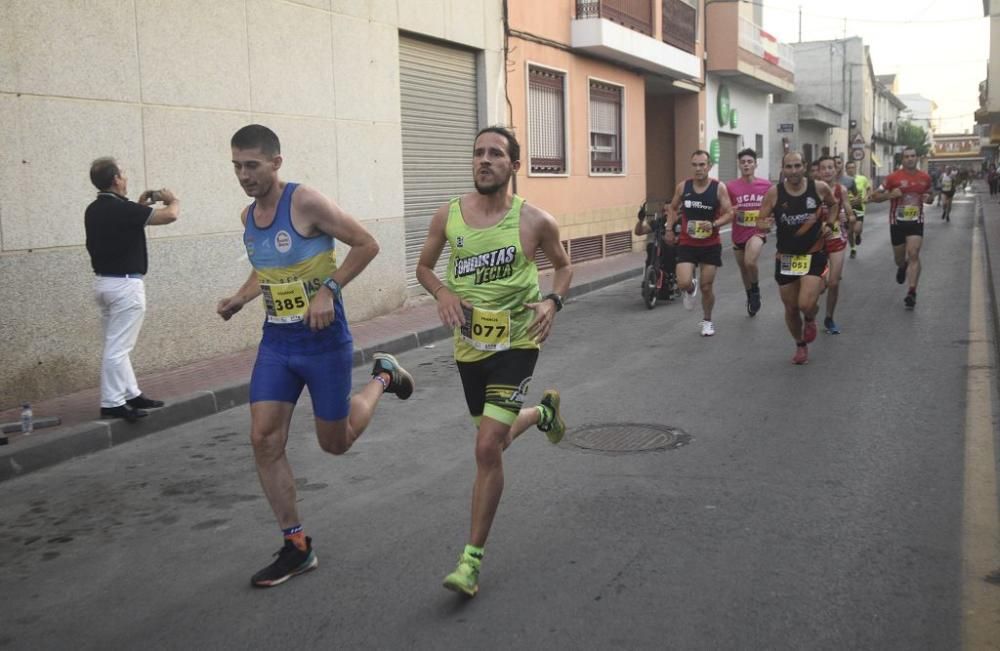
column 898, row 232
column 710, row 255
column 817, row 267
column 496, row 386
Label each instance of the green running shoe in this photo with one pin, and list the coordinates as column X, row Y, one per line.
column 465, row 578
column 553, row 426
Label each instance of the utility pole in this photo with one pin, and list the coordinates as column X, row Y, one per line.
column 845, row 26
column 800, row 23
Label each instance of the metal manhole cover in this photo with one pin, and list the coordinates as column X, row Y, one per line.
column 627, row 437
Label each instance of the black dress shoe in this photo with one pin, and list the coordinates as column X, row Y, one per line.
column 142, row 402
column 129, row 413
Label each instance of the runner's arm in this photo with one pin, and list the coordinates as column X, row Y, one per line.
column 449, row 304
column 765, row 220
column 885, row 193
column 248, row 291
column 830, row 201
column 326, row 216
column 547, row 229
column 725, row 214
column 849, row 210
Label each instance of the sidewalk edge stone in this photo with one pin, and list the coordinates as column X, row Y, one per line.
column 48, row 450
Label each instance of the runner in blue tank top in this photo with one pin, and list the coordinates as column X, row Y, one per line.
column 290, row 232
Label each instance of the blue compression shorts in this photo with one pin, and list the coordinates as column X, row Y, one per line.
column 283, row 368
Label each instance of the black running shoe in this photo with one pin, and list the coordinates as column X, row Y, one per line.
column 901, row 274
column 753, row 302
column 910, row 301
column 400, row 381
column 291, row 561
column 142, row 402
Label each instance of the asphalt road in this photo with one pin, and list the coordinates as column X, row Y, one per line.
column 815, row 507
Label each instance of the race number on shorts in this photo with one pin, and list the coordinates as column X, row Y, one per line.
column 795, row 265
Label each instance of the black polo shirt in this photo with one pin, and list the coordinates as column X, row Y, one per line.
column 116, row 236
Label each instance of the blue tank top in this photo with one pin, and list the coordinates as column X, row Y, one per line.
column 291, row 268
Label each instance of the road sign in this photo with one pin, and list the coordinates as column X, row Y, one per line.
column 858, row 140
column 858, row 153
column 786, row 127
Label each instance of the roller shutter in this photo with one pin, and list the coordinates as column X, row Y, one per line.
column 728, row 165
column 439, row 124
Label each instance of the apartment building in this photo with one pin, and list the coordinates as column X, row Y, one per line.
column 606, row 96
column 745, row 65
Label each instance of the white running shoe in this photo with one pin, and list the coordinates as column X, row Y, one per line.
column 689, row 297
column 707, row 329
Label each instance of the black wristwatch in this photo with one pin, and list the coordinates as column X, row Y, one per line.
column 555, row 298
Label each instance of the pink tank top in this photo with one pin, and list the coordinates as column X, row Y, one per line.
column 746, row 199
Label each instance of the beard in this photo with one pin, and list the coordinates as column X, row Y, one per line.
column 491, row 188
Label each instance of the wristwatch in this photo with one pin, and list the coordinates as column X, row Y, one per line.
column 555, row 298
column 333, row 286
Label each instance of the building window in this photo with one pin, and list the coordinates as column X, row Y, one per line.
column 758, row 145
column 605, row 128
column 546, row 121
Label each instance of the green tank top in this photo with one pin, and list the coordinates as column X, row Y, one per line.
column 488, row 269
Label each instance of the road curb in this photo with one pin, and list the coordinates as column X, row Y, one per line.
column 52, row 448
column 991, row 289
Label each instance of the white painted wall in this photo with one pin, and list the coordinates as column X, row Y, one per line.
column 752, row 108
column 162, row 85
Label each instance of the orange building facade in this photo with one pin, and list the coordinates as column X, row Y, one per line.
column 607, row 98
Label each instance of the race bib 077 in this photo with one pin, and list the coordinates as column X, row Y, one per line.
column 487, row 330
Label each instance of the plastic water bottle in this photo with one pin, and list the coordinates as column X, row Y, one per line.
column 27, row 419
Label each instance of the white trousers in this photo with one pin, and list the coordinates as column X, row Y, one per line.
column 123, row 306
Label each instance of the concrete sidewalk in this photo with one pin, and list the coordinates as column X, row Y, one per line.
column 215, row 384
column 988, row 212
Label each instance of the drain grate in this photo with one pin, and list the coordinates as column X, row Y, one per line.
column 627, row 437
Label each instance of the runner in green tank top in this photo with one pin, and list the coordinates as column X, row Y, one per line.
column 491, row 298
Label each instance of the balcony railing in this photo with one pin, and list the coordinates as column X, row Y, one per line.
column 634, row 14
column 680, row 24
column 755, row 40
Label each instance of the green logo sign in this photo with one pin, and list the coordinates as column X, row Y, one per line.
column 714, row 148
column 723, row 106
column 732, row 118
